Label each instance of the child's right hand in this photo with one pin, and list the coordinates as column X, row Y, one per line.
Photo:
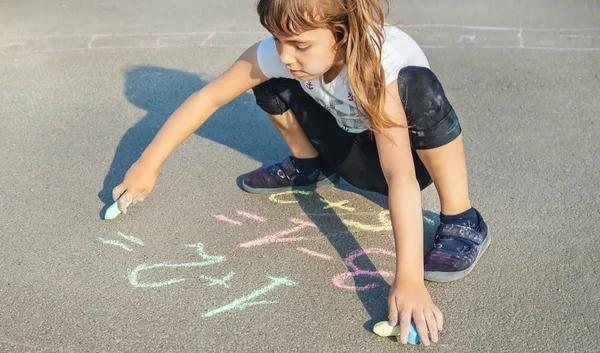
column 137, row 185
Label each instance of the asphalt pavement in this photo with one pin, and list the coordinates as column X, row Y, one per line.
column 202, row 266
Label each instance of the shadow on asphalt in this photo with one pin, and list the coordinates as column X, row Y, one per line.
column 371, row 288
column 160, row 91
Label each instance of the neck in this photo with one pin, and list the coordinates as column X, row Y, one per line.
column 332, row 73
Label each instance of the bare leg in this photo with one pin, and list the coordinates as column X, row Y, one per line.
column 294, row 136
column 448, row 169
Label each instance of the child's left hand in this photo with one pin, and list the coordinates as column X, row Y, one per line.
column 411, row 300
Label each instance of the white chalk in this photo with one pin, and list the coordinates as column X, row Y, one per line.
column 384, row 329
column 114, row 211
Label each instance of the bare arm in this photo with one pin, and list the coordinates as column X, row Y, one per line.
column 241, row 76
column 409, row 298
column 404, row 192
column 141, row 177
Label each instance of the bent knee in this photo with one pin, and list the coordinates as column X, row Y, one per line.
column 423, row 96
column 273, row 95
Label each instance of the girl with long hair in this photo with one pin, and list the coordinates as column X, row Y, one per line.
column 354, row 98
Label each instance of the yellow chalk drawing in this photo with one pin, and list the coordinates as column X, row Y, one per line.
column 222, row 281
column 384, row 220
column 133, row 276
column 339, row 204
column 244, row 302
column 275, row 197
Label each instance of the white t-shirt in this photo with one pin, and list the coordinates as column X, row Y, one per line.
column 399, row 50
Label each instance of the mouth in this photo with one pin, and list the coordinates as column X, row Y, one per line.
column 298, row 73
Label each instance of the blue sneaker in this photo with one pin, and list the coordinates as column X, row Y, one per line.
column 446, row 263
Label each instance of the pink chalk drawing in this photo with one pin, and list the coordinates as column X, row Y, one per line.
column 314, row 253
column 340, row 280
column 278, row 237
column 220, row 217
column 251, row 216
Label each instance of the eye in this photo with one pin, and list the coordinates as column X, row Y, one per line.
column 302, row 48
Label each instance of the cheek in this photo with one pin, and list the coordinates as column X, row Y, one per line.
column 318, row 63
column 315, row 67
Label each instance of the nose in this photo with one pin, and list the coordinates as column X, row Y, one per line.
column 286, row 55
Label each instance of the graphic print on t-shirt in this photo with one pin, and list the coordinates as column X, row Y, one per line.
column 345, row 114
column 399, row 50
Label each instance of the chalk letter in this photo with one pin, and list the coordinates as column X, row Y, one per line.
column 275, row 198
column 385, row 223
column 339, row 204
column 133, row 276
column 244, row 302
column 222, row 281
column 277, row 237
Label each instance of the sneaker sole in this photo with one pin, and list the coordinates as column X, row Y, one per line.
column 436, row 276
column 326, row 183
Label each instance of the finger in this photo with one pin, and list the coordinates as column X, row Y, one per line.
column 431, row 324
column 125, row 200
column 137, row 198
column 439, row 317
column 404, row 325
column 118, row 191
column 142, row 196
column 393, row 313
column 421, row 326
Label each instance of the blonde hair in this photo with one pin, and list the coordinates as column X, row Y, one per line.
column 358, row 28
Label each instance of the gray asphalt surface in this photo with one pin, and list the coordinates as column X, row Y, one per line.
column 84, row 86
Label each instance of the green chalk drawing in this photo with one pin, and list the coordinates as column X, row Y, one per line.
column 222, row 281
column 133, row 276
column 130, row 238
column 428, row 221
column 115, row 243
column 244, row 302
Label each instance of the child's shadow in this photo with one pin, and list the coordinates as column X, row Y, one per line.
column 242, row 126
column 370, row 286
column 159, row 92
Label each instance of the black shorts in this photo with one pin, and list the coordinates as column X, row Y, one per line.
column 354, row 156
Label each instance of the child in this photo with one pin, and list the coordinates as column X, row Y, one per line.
column 352, row 98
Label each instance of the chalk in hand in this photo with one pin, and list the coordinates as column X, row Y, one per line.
column 384, row 329
column 113, row 211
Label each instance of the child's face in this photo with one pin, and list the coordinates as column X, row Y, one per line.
column 309, row 54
